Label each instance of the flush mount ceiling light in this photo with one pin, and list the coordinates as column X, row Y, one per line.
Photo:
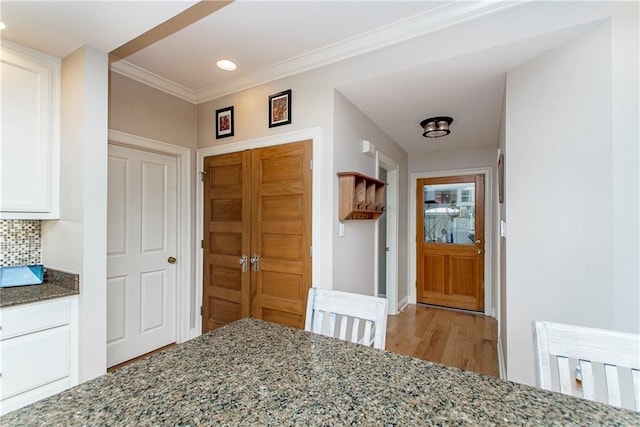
column 227, row 65
column 435, row 127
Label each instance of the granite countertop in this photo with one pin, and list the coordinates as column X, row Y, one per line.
column 253, row 372
column 56, row 284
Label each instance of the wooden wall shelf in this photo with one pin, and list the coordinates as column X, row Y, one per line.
column 361, row 197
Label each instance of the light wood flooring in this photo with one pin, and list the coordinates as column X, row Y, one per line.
column 453, row 338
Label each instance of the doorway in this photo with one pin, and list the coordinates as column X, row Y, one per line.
column 386, row 243
column 257, row 235
column 142, row 246
column 450, row 241
column 383, row 248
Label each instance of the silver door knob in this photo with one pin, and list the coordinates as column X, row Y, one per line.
column 171, row 260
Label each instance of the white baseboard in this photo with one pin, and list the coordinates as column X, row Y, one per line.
column 502, row 369
column 403, row 303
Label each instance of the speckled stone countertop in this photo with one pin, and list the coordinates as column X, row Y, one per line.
column 56, row 284
column 256, row 373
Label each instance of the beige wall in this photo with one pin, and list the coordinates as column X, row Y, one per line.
column 354, row 254
column 311, row 103
column 141, row 110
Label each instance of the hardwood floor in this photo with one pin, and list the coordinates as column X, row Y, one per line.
column 453, row 338
column 135, row 359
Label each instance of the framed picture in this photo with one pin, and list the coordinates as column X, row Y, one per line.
column 501, row 178
column 224, row 122
column 280, row 109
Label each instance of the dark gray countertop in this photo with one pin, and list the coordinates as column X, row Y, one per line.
column 57, row 284
column 257, row 373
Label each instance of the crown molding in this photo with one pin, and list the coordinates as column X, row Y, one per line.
column 148, row 78
column 427, row 22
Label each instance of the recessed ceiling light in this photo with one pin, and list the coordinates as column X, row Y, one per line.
column 227, row 65
column 2, row 26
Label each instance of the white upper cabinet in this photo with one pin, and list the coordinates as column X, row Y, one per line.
column 30, row 133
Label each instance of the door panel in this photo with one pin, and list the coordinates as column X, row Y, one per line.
column 141, row 284
column 227, row 210
column 450, row 224
column 281, row 232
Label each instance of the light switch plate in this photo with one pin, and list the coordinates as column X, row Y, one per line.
column 503, row 228
column 341, row 229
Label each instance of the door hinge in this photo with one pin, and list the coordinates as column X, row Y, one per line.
column 311, row 251
column 311, row 164
column 201, row 311
column 201, row 244
column 202, row 174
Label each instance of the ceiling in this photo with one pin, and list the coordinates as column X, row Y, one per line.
column 273, row 39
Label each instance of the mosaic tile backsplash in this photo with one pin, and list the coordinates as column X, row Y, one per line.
column 20, row 242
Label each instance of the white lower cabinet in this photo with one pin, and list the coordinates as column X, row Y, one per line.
column 38, row 351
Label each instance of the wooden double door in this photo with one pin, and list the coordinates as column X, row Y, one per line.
column 257, row 235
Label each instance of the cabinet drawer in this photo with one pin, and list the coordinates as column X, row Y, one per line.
column 35, row 317
column 34, row 360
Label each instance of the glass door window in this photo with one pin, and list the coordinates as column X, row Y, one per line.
column 449, row 213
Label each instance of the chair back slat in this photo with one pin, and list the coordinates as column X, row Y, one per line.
column 596, row 364
column 361, row 318
column 635, row 379
column 355, row 329
column 613, row 384
column 564, row 372
column 343, row 327
column 367, row 332
column 318, row 320
column 588, row 385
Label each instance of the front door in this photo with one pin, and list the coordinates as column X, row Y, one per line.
column 141, row 244
column 257, row 235
column 450, row 245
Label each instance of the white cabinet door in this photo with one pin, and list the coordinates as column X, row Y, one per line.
column 38, row 351
column 29, row 135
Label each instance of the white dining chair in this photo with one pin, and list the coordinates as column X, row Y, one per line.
column 351, row 317
column 595, row 364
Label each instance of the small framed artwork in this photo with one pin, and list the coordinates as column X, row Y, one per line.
column 280, row 109
column 501, row 178
column 224, row 122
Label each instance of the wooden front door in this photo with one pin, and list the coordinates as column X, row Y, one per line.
column 450, row 241
column 257, row 242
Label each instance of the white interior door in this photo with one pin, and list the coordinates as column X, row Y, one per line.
column 141, row 242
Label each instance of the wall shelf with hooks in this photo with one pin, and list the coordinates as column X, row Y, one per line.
column 361, row 197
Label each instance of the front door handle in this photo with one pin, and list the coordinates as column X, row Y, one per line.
column 171, row 260
column 255, row 261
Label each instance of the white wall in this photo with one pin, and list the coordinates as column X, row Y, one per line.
column 467, row 158
column 77, row 242
column 354, row 254
column 564, row 189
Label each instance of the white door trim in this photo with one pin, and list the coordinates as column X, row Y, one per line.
column 183, row 175
column 321, row 243
column 392, row 168
column 490, row 286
